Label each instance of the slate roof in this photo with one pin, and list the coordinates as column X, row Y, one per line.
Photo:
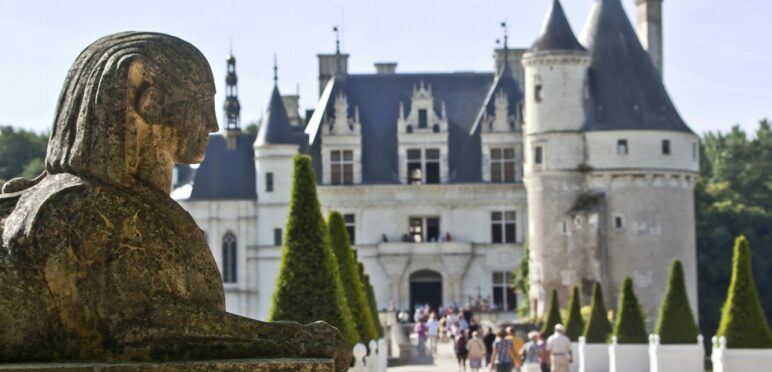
column 226, row 174
column 378, row 97
column 626, row 90
column 556, row 33
column 276, row 128
column 505, row 81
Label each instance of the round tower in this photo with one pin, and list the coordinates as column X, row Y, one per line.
column 555, row 98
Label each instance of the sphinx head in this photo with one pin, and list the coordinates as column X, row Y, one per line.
column 132, row 105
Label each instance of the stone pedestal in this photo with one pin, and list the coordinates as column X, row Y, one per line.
column 251, row 365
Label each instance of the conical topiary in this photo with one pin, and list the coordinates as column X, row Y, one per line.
column 552, row 315
column 371, row 301
column 308, row 288
column 630, row 327
column 675, row 323
column 597, row 329
column 574, row 322
column 356, row 294
column 742, row 318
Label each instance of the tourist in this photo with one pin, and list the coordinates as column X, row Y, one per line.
column 476, row 349
column 461, row 351
column 433, row 331
column 559, row 348
column 488, row 340
column 517, row 346
column 503, row 356
column 531, row 354
column 444, row 328
column 420, row 331
column 545, row 360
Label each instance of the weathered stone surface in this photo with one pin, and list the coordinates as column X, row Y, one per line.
column 97, row 263
column 273, row 365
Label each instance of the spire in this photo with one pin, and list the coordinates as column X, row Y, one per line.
column 231, row 107
column 556, row 33
column 276, row 128
column 275, row 71
column 626, row 90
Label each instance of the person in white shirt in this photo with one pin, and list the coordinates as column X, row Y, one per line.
column 559, row 348
column 433, row 326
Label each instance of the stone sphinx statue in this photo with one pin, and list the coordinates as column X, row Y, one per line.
column 97, row 262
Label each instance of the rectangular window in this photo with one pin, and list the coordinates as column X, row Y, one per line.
column 416, row 229
column 502, row 165
column 277, row 238
column 432, row 166
column 415, row 173
column 269, row 182
column 504, row 227
column 424, row 229
column 537, row 92
column 342, row 167
column 423, row 118
column 622, row 147
column 504, row 296
column 665, row 147
column 619, row 222
column 423, row 166
column 538, row 155
column 350, row 227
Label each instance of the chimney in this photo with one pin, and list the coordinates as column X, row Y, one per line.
column 331, row 65
column 385, row 67
column 292, row 105
column 513, row 58
column 649, row 29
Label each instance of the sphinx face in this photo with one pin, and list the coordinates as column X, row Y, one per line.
column 198, row 120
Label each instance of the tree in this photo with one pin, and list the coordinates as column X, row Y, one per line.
column 371, row 300
column 308, row 288
column 675, row 321
column 18, row 148
column 553, row 314
column 742, row 321
column 522, row 282
column 630, row 327
column 574, row 321
column 356, row 295
column 597, row 329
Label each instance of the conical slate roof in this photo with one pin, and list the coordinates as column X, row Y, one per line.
column 556, row 33
column 626, row 90
column 276, row 128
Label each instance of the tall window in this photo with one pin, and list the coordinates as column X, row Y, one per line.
column 277, row 237
column 423, row 166
column 538, row 155
column 423, row 118
column 229, row 249
column 504, row 296
column 665, row 147
column 424, row 229
column 342, row 167
column 622, row 147
column 503, row 227
column 503, row 165
column 269, row 182
column 350, row 227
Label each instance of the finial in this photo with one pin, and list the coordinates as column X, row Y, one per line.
column 275, row 70
column 337, row 39
column 230, row 45
column 506, row 36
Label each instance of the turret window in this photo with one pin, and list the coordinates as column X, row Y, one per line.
column 503, row 165
column 342, row 167
column 622, row 147
column 665, row 147
column 229, row 249
column 537, row 92
column 538, row 155
column 423, row 166
column 269, row 182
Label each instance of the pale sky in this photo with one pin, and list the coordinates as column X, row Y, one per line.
column 717, row 52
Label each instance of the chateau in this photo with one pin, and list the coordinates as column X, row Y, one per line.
column 571, row 145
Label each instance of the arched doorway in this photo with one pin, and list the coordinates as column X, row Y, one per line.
column 425, row 288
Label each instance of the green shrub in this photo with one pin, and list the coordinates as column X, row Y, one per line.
column 371, row 301
column 574, row 321
column 630, row 326
column 308, row 288
column 597, row 329
column 552, row 315
column 356, row 294
column 742, row 317
column 675, row 322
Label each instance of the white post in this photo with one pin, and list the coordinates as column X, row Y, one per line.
column 382, row 355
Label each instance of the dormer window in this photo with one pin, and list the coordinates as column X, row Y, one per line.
column 342, row 167
column 502, row 165
column 423, row 119
column 423, row 166
column 622, row 147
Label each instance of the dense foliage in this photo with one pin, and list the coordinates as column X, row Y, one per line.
column 733, row 197
column 309, row 287
column 675, row 321
column 522, row 283
column 21, row 153
column 574, row 320
column 742, row 319
column 371, row 299
column 630, row 326
column 598, row 328
column 552, row 316
column 356, row 294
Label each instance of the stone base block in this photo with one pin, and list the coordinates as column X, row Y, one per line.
column 251, row 365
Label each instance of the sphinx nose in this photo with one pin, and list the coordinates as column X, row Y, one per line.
column 211, row 121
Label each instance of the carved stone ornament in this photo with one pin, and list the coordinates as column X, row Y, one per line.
column 97, row 262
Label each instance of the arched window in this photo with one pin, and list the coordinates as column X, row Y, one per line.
column 229, row 255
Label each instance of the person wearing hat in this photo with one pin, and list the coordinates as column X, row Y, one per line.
column 531, row 353
column 559, row 348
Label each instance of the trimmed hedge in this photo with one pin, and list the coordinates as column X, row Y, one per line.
column 675, row 321
column 552, row 315
column 308, row 288
column 356, row 295
column 598, row 328
column 574, row 322
column 742, row 317
column 630, row 326
column 371, row 300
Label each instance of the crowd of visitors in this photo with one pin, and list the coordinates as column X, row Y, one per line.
column 503, row 351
